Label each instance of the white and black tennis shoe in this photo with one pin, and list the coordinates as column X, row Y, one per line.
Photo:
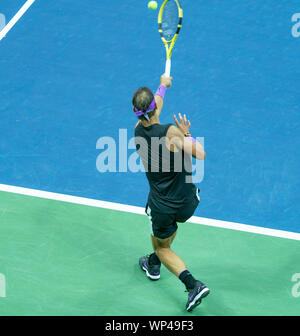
column 196, row 295
column 152, row 271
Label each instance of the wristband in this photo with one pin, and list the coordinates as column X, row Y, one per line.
column 161, row 91
column 192, row 139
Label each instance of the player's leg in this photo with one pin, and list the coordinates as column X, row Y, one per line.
column 163, row 228
column 155, row 243
column 161, row 225
column 150, row 263
column 162, row 248
column 197, row 290
column 153, row 257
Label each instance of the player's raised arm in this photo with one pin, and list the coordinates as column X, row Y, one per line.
column 182, row 139
column 165, row 82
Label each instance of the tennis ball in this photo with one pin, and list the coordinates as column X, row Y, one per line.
column 152, row 5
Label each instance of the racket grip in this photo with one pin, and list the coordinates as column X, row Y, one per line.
column 168, row 67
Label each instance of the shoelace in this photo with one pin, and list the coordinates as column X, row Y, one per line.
column 188, row 291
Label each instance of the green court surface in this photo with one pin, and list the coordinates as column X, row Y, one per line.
column 65, row 259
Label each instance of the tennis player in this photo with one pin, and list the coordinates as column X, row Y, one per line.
column 166, row 151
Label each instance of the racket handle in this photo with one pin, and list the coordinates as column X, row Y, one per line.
column 168, row 67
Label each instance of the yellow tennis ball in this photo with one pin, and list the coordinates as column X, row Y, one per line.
column 152, row 5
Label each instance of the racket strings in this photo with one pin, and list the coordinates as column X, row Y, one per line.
column 170, row 20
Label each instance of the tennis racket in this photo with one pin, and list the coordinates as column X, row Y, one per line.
column 169, row 25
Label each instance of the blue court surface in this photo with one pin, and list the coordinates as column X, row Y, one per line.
column 68, row 71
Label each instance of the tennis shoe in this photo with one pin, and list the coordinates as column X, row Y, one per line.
column 196, row 295
column 152, row 271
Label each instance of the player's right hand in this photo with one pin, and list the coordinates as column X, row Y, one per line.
column 166, row 81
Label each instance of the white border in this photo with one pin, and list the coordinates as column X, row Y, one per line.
column 16, row 18
column 141, row 211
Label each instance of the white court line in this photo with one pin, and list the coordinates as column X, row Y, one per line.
column 141, row 211
column 16, row 18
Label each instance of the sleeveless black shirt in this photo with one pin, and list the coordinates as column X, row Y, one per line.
column 169, row 173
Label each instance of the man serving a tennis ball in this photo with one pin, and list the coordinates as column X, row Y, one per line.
column 165, row 151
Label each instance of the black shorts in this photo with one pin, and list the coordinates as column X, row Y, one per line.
column 164, row 225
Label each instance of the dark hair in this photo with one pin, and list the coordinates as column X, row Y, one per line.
column 142, row 99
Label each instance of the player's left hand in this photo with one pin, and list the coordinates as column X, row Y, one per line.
column 184, row 124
